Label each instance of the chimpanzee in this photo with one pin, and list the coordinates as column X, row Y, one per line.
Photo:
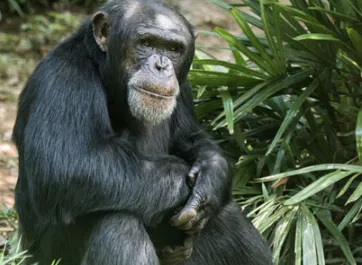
column 113, row 167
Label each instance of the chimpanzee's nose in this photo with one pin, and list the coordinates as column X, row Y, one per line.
column 162, row 65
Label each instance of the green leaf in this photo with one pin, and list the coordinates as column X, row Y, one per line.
column 317, row 234
column 228, row 107
column 346, row 186
column 278, row 28
column 322, row 167
column 200, row 91
column 359, row 135
column 281, row 232
column 269, row 36
column 298, row 240
column 356, row 194
column 293, row 113
column 15, row 6
column 265, row 93
column 221, row 4
column 239, row 101
column 317, row 186
column 268, row 212
column 265, row 192
column 240, row 68
column 317, row 26
column 308, row 239
column 251, row 36
column 338, row 236
column 356, row 39
column 350, row 215
column 234, row 42
column 316, row 36
column 346, row 110
column 335, row 14
column 217, row 79
column 266, row 219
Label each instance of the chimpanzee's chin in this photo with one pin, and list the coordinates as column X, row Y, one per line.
column 150, row 108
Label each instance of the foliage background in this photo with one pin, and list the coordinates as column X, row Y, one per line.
column 291, row 106
column 287, row 110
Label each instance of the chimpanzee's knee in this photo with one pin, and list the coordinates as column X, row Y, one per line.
column 120, row 239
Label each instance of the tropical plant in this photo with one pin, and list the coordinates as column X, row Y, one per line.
column 288, row 110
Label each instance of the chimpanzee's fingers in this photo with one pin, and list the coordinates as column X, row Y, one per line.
column 166, row 251
column 189, row 242
column 175, row 255
column 183, row 217
column 196, row 224
column 197, row 227
column 193, row 174
column 189, row 211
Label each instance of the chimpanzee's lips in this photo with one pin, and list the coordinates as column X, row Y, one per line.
column 152, row 93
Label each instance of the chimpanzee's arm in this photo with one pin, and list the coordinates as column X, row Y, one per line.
column 209, row 168
column 72, row 164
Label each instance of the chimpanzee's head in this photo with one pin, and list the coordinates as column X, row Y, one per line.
column 149, row 49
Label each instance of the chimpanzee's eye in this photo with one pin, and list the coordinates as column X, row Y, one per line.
column 146, row 43
column 176, row 48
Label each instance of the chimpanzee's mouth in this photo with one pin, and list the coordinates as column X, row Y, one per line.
column 152, row 93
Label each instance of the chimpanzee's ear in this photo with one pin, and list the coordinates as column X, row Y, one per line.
column 101, row 29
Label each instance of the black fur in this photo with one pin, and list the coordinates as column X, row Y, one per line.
column 97, row 187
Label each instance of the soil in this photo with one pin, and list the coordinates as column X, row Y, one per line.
column 203, row 15
column 8, row 154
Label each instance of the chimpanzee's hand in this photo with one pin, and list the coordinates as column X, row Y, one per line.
column 175, row 255
column 171, row 174
column 211, row 189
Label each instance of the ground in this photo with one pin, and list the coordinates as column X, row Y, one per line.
column 8, row 154
column 16, row 63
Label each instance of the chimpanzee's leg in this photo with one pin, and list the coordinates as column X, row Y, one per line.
column 120, row 239
column 95, row 239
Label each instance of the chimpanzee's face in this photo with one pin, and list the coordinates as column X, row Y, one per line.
column 158, row 47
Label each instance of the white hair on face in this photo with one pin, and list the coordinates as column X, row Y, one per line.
column 165, row 22
column 131, row 10
column 150, row 109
